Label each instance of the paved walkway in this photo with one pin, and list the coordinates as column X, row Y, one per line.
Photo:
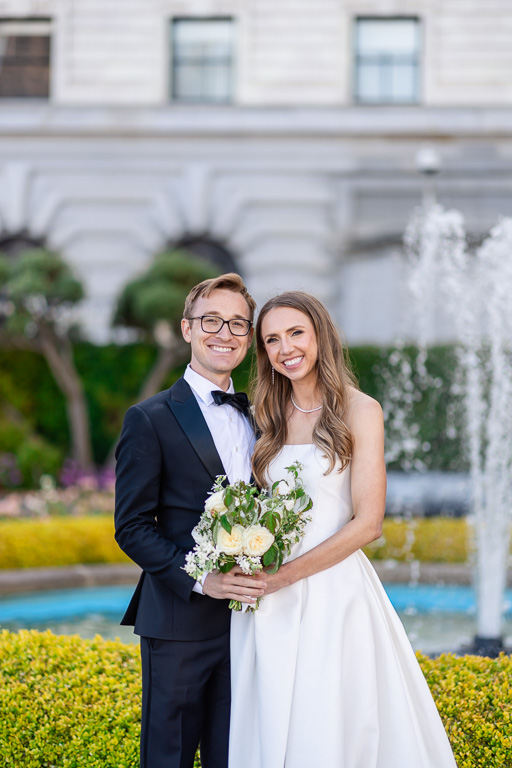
column 32, row 579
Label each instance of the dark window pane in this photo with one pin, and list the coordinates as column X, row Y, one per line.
column 24, row 66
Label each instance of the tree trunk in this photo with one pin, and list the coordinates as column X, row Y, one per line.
column 166, row 359
column 59, row 356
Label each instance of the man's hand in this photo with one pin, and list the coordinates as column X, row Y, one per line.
column 234, row 585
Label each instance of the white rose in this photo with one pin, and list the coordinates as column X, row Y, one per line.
column 257, row 540
column 289, row 505
column 214, row 504
column 230, row 543
column 284, row 488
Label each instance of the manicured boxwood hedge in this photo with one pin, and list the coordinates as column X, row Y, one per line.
column 67, row 703
column 58, row 541
column 55, row 541
column 432, row 539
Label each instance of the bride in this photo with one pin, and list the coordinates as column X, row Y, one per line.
column 323, row 673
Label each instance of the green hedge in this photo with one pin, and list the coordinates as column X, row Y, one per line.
column 432, row 539
column 55, row 541
column 67, row 702
column 112, row 376
column 58, row 541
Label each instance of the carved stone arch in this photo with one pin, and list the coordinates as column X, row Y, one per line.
column 210, row 250
column 13, row 244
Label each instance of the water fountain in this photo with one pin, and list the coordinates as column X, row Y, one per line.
column 474, row 290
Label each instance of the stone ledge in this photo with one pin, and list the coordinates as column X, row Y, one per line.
column 33, row 579
column 394, row 572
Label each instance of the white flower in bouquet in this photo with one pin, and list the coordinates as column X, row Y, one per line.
column 283, row 488
column 214, row 504
column 231, row 543
column 257, row 540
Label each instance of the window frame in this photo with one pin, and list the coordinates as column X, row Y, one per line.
column 174, row 62
column 417, row 60
column 30, row 26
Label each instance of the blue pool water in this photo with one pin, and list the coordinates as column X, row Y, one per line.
column 112, row 601
column 64, row 604
column 435, row 617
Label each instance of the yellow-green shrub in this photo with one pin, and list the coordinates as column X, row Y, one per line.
column 29, row 543
column 68, row 703
column 433, row 539
column 56, row 541
column 65, row 702
column 474, row 698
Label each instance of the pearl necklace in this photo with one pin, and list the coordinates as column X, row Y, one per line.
column 303, row 410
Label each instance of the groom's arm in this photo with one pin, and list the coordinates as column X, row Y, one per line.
column 138, row 470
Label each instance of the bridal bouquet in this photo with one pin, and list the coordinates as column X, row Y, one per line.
column 244, row 526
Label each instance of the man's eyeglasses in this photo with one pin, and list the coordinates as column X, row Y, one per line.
column 213, row 324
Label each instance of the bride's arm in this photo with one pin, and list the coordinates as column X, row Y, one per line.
column 368, row 484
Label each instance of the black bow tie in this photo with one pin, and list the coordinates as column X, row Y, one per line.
column 238, row 400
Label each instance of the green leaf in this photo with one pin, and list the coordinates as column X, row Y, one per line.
column 228, row 498
column 225, row 523
column 270, row 555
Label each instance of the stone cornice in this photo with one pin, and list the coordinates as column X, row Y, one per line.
column 43, row 119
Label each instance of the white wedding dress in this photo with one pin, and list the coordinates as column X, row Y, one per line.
column 323, row 675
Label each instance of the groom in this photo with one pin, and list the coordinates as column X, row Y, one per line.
column 172, row 447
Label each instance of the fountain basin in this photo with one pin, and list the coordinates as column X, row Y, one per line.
column 437, row 618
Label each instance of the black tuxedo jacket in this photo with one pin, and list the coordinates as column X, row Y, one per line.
column 166, row 464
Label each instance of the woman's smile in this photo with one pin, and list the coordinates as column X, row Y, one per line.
column 294, row 362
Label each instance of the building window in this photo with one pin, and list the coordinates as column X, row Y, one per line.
column 24, row 59
column 202, row 60
column 387, row 52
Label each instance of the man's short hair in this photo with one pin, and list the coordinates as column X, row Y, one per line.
column 228, row 282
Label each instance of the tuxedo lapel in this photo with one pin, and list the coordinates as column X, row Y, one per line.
column 184, row 406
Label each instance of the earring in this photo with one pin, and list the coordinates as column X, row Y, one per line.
column 272, row 375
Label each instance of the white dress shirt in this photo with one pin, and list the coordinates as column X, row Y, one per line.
column 231, row 432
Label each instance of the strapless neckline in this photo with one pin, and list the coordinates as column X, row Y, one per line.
column 296, row 445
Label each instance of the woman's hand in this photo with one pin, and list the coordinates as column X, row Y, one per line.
column 275, row 581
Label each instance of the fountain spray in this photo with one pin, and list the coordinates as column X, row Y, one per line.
column 474, row 289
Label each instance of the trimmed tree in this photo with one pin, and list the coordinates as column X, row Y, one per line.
column 153, row 305
column 38, row 298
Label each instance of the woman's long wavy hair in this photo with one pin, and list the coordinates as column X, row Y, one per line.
column 271, row 401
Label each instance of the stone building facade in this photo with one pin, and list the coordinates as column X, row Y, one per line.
column 279, row 136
